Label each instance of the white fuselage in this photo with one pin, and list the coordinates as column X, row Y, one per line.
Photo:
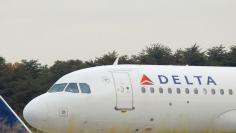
column 129, row 99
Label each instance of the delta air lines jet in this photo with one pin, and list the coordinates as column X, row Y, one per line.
column 138, row 99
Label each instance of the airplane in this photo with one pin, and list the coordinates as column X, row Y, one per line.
column 138, row 99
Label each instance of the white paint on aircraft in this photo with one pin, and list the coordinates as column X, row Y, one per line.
column 136, row 99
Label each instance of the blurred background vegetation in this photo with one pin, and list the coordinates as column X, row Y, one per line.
column 22, row 81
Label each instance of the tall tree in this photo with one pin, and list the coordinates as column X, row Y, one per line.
column 106, row 59
column 21, row 83
column 2, row 62
column 61, row 68
column 232, row 56
column 217, row 56
column 2, row 70
column 180, row 58
column 156, row 54
column 194, row 56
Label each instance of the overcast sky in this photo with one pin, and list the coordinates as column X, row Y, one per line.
column 50, row 30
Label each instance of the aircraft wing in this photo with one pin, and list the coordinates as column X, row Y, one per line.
column 9, row 121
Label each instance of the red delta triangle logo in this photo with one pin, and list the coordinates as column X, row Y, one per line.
column 146, row 81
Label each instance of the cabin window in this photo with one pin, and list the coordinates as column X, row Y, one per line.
column 57, row 87
column 143, row 90
column 152, row 90
column 178, row 90
column 195, row 91
column 169, row 90
column 161, row 90
column 72, row 87
column 213, row 91
column 204, row 91
column 187, row 91
column 230, row 92
column 84, row 87
column 222, row 92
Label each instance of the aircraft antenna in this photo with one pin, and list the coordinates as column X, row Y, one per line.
column 116, row 61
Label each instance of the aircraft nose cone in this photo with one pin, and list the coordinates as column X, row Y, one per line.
column 35, row 113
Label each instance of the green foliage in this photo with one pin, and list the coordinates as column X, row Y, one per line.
column 217, row 56
column 2, row 62
column 156, row 54
column 194, row 56
column 106, row 59
column 61, row 68
column 20, row 82
column 231, row 61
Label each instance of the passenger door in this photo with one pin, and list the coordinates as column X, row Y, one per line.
column 124, row 91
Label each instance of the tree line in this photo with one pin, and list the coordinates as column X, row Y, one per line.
column 22, row 81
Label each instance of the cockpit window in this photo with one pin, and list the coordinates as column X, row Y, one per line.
column 84, row 88
column 72, row 87
column 57, row 87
